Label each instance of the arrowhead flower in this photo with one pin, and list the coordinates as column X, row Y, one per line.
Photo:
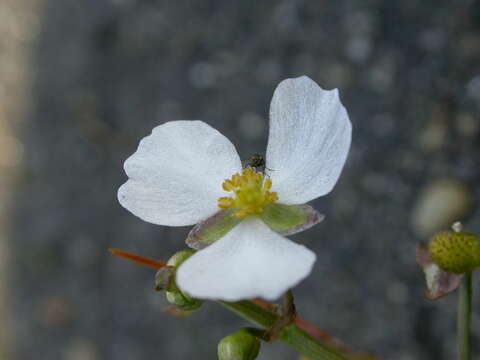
column 187, row 173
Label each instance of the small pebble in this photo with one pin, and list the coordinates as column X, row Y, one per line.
column 82, row 349
column 439, row 204
column 202, row 75
column 252, row 126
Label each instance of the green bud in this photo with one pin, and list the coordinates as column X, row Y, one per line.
column 182, row 300
column 455, row 252
column 165, row 280
column 240, row 345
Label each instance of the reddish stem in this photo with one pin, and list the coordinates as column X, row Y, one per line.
column 319, row 334
column 142, row 260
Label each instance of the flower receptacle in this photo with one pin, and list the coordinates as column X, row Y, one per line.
column 455, row 252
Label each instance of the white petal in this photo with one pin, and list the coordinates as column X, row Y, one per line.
column 250, row 261
column 176, row 175
column 309, row 139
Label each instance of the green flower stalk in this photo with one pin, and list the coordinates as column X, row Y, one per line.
column 464, row 318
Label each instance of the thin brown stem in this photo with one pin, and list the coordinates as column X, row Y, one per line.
column 142, row 260
column 286, row 317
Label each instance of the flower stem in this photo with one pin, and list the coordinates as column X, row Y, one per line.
column 463, row 317
column 291, row 335
column 289, row 304
column 286, row 315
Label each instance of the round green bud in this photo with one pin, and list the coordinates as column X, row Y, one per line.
column 240, row 345
column 455, row 252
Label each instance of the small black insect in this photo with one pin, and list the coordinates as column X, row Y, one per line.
column 256, row 162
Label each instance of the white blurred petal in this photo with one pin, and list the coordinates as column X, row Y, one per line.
column 309, row 139
column 250, row 261
column 176, row 174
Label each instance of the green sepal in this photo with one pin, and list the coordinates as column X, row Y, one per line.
column 241, row 345
column 179, row 257
column 290, row 219
column 439, row 282
column 182, row 300
column 210, row 230
column 165, row 278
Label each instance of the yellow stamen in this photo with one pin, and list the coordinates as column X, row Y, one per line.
column 251, row 193
column 225, row 203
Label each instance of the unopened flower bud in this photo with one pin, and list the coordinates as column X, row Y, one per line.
column 165, row 280
column 455, row 252
column 240, row 345
column 165, row 277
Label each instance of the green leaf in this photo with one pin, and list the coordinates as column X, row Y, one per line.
column 210, row 230
column 290, row 219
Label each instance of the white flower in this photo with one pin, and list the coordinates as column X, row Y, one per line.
column 176, row 178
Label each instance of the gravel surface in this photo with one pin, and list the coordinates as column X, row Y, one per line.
column 107, row 72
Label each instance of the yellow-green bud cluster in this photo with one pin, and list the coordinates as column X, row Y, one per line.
column 455, row 252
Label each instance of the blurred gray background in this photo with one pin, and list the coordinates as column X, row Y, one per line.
column 83, row 81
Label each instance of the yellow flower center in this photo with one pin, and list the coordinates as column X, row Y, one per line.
column 251, row 193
